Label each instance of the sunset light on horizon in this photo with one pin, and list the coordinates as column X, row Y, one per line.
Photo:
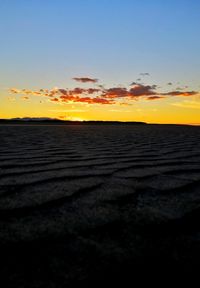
column 141, row 64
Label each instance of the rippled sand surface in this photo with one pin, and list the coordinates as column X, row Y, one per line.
column 79, row 203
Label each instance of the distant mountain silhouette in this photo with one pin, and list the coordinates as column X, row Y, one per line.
column 46, row 120
column 34, row 119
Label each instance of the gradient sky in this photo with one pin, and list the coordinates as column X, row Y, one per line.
column 45, row 44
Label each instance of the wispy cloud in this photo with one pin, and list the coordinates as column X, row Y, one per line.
column 180, row 93
column 145, row 74
column 85, row 79
column 155, row 97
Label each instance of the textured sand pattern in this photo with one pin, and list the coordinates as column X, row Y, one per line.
column 78, row 200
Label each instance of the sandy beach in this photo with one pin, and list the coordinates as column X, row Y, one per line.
column 79, row 203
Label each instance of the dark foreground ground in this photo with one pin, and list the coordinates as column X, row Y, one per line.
column 95, row 205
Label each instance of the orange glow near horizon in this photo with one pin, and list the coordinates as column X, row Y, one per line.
column 137, row 102
column 140, row 112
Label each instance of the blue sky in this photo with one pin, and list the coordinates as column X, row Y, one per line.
column 47, row 42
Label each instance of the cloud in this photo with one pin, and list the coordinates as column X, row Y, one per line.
column 24, row 97
column 78, row 91
column 180, row 93
column 83, row 91
column 85, row 79
column 14, row 90
column 115, row 92
column 88, row 100
column 155, row 97
column 134, row 92
column 101, row 95
column 55, row 100
column 145, row 74
column 92, row 90
column 134, row 83
column 40, row 92
column 66, row 95
column 125, row 104
column 25, row 92
column 142, row 90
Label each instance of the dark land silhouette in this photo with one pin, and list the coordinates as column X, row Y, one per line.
column 64, row 122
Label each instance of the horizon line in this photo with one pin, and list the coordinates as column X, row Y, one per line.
column 43, row 119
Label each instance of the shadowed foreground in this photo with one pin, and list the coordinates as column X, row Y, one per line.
column 92, row 204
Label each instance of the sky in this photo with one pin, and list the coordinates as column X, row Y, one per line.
column 121, row 60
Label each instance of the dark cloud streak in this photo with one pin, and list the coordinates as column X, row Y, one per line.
column 85, row 79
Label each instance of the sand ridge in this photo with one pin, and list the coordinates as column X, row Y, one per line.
column 94, row 197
